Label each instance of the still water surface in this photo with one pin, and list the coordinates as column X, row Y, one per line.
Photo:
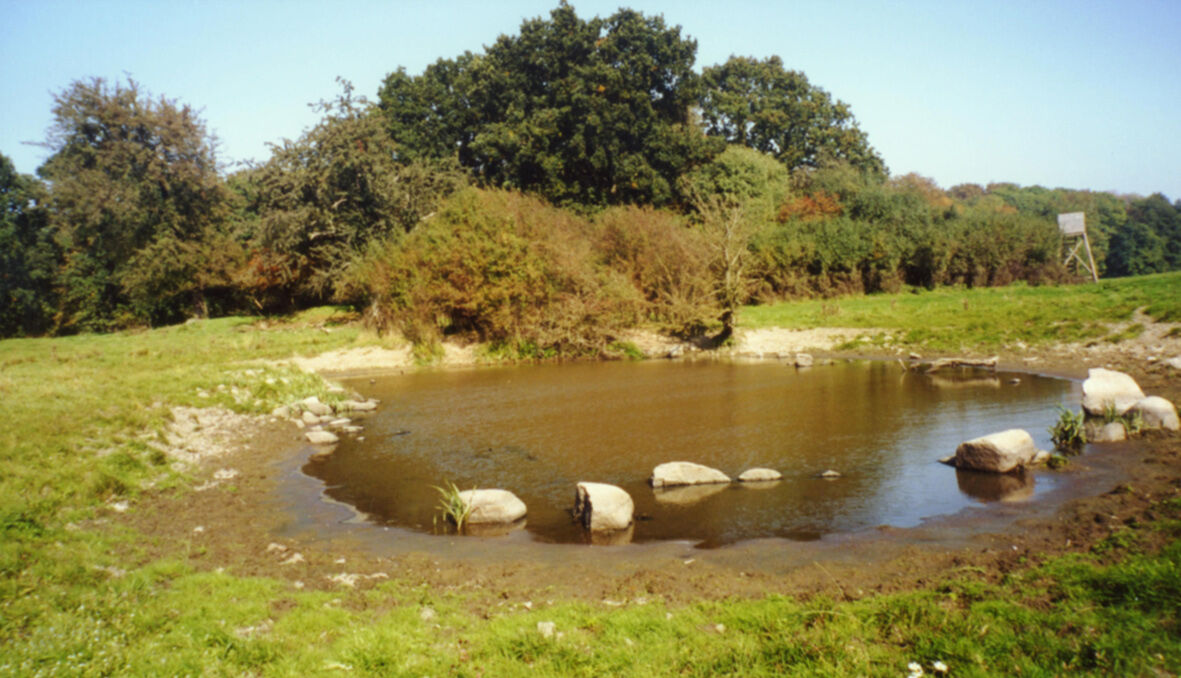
column 539, row 430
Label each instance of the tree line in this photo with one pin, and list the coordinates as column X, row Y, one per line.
column 562, row 184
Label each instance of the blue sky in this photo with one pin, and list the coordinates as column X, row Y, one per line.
column 1079, row 94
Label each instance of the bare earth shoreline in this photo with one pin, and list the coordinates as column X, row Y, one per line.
column 246, row 526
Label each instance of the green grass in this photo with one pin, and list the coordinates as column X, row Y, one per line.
column 72, row 602
column 949, row 319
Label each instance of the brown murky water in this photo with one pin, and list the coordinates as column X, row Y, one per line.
column 538, row 430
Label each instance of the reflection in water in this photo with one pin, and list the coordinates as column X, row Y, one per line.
column 539, row 430
column 493, row 529
column 690, row 494
column 612, row 537
column 961, row 381
column 989, row 487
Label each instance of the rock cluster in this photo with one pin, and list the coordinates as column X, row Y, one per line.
column 1106, row 394
column 318, row 417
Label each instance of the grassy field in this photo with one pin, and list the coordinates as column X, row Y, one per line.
column 950, row 319
column 78, row 413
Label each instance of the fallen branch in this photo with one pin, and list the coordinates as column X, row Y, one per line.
column 989, row 363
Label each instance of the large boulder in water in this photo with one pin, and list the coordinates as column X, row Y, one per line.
column 492, row 506
column 601, row 507
column 1108, row 388
column 1156, row 412
column 676, row 473
column 997, row 452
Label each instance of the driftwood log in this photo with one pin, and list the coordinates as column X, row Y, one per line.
column 941, row 363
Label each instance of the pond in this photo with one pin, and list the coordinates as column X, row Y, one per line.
column 539, row 430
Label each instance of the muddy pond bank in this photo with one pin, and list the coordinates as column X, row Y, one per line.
column 248, row 530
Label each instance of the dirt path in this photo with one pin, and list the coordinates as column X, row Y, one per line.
column 235, row 517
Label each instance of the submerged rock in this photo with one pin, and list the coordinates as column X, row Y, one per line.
column 756, row 475
column 601, row 507
column 1108, row 388
column 492, row 506
column 997, row 452
column 1156, row 412
column 829, row 474
column 1099, row 432
column 675, row 473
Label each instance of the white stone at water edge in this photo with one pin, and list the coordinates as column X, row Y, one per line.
column 312, row 404
column 601, row 507
column 997, row 452
column 1104, row 388
column 685, row 473
column 321, row 437
column 755, row 475
column 803, row 360
column 1156, row 412
column 492, row 506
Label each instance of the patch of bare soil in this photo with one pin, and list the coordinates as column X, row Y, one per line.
column 232, row 518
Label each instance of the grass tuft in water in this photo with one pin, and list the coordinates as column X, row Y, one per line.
column 1068, row 434
column 452, row 508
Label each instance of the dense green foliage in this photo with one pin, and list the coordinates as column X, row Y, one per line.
column 762, row 105
column 29, row 258
column 676, row 197
column 319, row 200
column 138, row 207
column 586, row 112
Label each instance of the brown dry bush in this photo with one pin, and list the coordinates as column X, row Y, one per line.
column 498, row 267
column 665, row 259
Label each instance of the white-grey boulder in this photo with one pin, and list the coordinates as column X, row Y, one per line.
column 1156, row 412
column 757, row 475
column 803, row 360
column 356, row 406
column 492, row 506
column 1108, row 388
column 1099, row 432
column 309, row 418
column 321, row 437
column 997, row 452
column 312, row 404
column 675, row 473
column 601, row 507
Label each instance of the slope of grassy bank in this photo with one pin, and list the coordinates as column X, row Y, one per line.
column 72, row 602
column 988, row 317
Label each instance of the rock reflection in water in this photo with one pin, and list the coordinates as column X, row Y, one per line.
column 612, row 537
column 539, row 430
column 493, row 529
column 989, row 487
column 688, row 494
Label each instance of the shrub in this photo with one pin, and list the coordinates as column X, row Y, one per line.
column 498, row 267
column 664, row 259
